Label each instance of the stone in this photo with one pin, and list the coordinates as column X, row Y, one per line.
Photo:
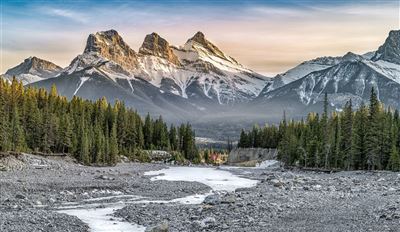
column 207, row 222
column 163, row 227
column 104, row 177
column 277, row 183
column 229, row 199
column 212, row 200
column 20, row 196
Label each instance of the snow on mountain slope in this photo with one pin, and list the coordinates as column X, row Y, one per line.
column 155, row 70
column 390, row 70
column 31, row 70
column 207, row 51
column 219, row 75
column 198, row 65
column 352, row 77
column 301, row 70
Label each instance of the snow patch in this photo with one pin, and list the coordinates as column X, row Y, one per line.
column 267, row 164
column 83, row 80
column 100, row 219
column 218, row 180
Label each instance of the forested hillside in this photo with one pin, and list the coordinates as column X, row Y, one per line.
column 366, row 138
column 32, row 119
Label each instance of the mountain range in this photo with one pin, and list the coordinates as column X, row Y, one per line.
column 198, row 82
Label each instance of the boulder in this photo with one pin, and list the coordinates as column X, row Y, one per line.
column 163, row 227
column 212, row 200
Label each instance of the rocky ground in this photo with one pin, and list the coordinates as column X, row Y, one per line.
column 282, row 201
column 288, row 201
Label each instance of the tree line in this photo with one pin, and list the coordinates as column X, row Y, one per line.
column 367, row 138
column 34, row 120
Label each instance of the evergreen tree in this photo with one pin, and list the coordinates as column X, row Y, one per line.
column 346, row 137
column 394, row 161
column 17, row 135
column 373, row 148
column 365, row 139
column 173, row 140
column 84, row 144
column 4, row 125
column 243, row 141
column 65, row 134
column 36, row 120
column 113, row 144
column 360, row 137
column 148, row 132
column 326, row 148
column 84, row 152
column 335, row 154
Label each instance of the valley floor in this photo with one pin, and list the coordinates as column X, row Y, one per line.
column 36, row 192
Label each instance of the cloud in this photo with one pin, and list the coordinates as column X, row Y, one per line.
column 69, row 14
column 267, row 38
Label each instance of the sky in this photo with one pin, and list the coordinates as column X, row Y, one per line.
column 268, row 37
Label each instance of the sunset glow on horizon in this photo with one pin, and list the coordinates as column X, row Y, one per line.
column 268, row 37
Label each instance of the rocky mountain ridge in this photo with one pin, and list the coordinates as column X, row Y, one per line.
column 33, row 69
column 197, row 78
column 349, row 77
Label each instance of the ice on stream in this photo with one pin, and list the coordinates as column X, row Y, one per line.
column 99, row 219
column 217, row 180
column 98, row 215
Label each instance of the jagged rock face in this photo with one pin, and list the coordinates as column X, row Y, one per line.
column 110, row 45
column 194, row 79
column 352, row 57
column 205, row 73
column 326, row 60
column 352, row 76
column 155, row 45
column 390, row 50
column 35, row 66
column 199, row 42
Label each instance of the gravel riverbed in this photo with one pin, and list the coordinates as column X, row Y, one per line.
column 32, row 192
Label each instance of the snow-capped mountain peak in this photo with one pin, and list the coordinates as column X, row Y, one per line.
column 302, row 70
column 205, row 48
column 33, row 69
column 349, row 77
column 160, row 78
column 198, row 65
column 35, row 66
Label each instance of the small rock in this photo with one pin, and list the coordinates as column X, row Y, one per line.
column 207, row 222
column 212, row 200
column 163, row 227
column 225, row 226
column 104, row 177
column 228, row 199
column 20, row 196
